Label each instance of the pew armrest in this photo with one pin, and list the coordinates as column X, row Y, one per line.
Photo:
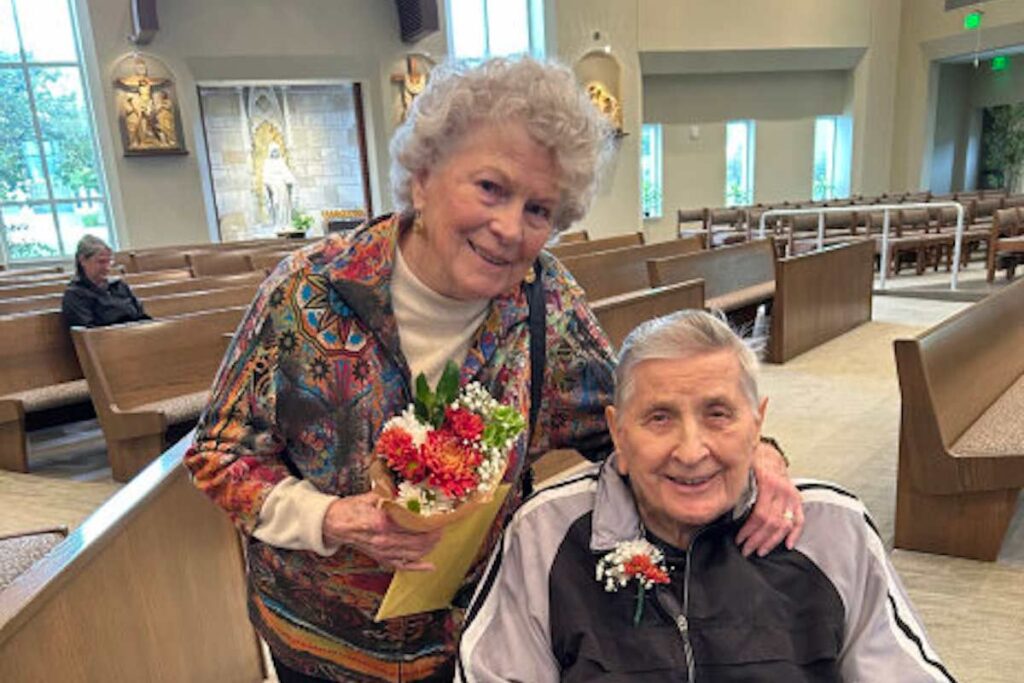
column 130, row 424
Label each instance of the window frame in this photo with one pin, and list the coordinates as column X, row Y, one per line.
column 749, row 171
column 25, row 67
column 656, row 161
column 534, row 27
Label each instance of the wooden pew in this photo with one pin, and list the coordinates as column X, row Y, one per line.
column 736, row 277
column 961, row 462
column 49, row 302
column 24, row 272
column 169, row 305
column 619, row 314
column 58, row 286
column 618, row 271
column 819, row 296
column 266, row 261
column 1006, row 237
column 150, row 588
column 40, row 373
column 573, row 237
column 220, row 262
column 147, row 377
column 161, row 259
column 564, row 250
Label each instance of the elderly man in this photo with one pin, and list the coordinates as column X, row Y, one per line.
column 628, row 572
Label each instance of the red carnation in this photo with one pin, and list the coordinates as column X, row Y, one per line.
column 401, row 455
column 465, row 424
column 640, row 566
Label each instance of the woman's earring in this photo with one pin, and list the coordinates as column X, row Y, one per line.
column 418, row 227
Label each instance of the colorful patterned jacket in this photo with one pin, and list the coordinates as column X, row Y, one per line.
column 313, row 373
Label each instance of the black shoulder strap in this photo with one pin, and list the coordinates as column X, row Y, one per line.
column 538, row 351
column 538, row 356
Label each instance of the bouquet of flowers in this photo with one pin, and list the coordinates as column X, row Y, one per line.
column 445, row 454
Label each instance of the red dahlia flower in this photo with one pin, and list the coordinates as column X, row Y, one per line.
column 451, row 465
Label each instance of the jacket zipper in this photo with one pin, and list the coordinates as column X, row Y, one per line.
column 682, row 623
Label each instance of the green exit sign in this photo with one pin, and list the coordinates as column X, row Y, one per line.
column 972, row 21
column 1000, row 62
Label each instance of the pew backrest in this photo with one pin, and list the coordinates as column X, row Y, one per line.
column 172, row 275
column 724, row 270
column 220, row 262
column 35, row 351
column 167, row 305
column 619, row 314
column 617, row 271
column 159, row 259
column 131, row 365
column 630, row 239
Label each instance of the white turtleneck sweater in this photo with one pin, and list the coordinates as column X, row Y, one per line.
column 432, row 329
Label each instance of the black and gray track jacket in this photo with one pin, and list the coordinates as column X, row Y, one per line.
column 832, row 609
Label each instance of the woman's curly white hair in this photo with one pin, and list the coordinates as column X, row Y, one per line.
column 543, row 96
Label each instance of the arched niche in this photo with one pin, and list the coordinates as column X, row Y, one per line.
column 601, row 74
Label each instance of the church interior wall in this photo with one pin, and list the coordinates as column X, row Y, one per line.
column 166, row 200
column 888, row 85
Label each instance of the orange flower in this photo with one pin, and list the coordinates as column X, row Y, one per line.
column 642, row 567
column 401, row 455
column 464, row 423
column 451, row 465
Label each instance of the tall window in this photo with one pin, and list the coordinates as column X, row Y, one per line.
column 650, row 169
column 739, row 163
column 478, row 29
column 51, row 187
column 831, row 158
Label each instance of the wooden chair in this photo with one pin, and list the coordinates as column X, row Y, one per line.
column 736, row 278
column 40, row 374
column 630, row 239
column 1007, row 238
column 819, row 296
column 150, row 588
column 619, row 314
column 618, row 271
column 147, row 377
column 961, row 459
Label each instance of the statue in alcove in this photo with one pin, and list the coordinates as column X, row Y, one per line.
column 278, row 181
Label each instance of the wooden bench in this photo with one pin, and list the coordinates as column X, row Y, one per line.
column 50, row 302
column 819, row 296
column 618, row 271
column 40, row 374
column 147, row 377
column 961, row 461
column 169, row 305
column 266, row 261
column 737, row 278
column 619, row 314
column 150, row 588
column 563, row 250
column 573, row 237
column 1007, row 237
column 220, row 262
column 58, row 286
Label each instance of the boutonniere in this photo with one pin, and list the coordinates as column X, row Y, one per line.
column 637, row 560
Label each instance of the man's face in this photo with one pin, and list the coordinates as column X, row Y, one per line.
column 685, row 436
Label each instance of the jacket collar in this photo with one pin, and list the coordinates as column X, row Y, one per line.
column 616, row 518
column 361, row 274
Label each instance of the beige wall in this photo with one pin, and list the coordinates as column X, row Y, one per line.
column 927, row 33
column 162, row 200
column 617, row 206
column 746, row 25
column 693, row 110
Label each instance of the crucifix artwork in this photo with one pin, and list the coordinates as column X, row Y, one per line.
column 412, row 79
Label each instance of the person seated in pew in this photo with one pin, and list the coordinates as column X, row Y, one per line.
column 629, row 570
column 91, row 300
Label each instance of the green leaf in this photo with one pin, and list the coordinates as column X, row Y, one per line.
column 448, row 385
column 414, row 506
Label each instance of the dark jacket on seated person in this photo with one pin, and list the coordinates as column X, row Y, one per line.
column 87, row 305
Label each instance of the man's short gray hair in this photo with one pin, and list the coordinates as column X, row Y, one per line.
column 543, row 96
column 680, row 335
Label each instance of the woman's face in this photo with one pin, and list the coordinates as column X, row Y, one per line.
column 486, row 210
column 97, row 266
column 686, row 436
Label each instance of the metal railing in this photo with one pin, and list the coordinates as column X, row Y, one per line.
column 883, row 265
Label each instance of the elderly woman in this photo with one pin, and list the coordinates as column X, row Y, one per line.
column 90, row 299
column 490, row 164
column 629, row 571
